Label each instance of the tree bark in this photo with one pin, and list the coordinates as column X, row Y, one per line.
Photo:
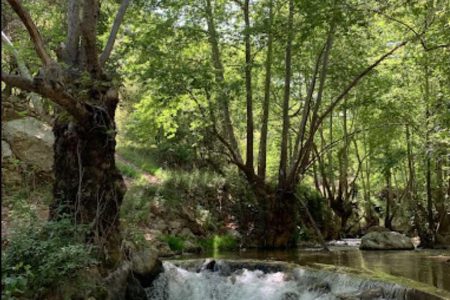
column 88, row 187
column 387, row 217
column 248, row 87
column 428, row 156
column 220, row 81
column 262, row 158
column 282, row 173
column 73, row 33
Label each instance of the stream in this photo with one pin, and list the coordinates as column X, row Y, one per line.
column 426, row 266
column 316, row 275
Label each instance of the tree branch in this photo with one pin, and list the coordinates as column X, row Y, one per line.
column 73, row 32
column 32, row 30
column 352, row 84
column 88, row 30
column 114, row 30
column 63, row 99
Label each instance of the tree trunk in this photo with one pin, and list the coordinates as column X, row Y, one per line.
column 387, row 218
column 262, row 158
column 220, row 81
column 282, row 220
column 282, row 173
column 428, row 155
column 248, row 87
column 88, row 187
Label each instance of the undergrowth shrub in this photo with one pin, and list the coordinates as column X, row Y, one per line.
column 39, row 259
column 175, row 243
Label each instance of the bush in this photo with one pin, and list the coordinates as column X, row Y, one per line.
column 175, row 243
column 39, row 259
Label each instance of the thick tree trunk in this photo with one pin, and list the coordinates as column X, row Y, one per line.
column 281, row 220
column 88, row 187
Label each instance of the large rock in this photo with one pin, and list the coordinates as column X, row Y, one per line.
column 389, row 240
column 6, row 151
column 131, row 278
column 31, row 142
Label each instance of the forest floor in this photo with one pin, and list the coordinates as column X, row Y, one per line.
column 150, row 179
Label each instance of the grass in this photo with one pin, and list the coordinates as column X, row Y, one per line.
column 219, row 243
column 127, row 169
column 175, row 243
column 144, row 159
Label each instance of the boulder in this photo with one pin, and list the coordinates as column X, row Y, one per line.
column 190, row 247
column 377, row 229
column 387, row 240
column 6, row 151
column 131, row 278
column 31, row 141
column 146, row 266
column 164, row 250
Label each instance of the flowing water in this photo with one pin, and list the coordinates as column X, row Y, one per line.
column 256, row 280
column 431, row 267
column 424, row 269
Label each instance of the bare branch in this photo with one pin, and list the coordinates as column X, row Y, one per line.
column 112, row 36
column 65, row 100
column 32, row 30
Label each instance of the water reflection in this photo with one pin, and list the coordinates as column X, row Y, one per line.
column 428, row 266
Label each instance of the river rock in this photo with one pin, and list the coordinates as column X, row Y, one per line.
column 377, row 229
column 388, row 240
column 130, row 279
column 190, row 247
column 31, row 141
column 164, row 250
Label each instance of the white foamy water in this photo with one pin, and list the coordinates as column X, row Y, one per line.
column 180, row 284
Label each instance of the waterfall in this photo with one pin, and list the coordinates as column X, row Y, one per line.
column 233, row 280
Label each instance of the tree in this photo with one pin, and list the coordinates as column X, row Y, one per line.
column 88, row 187
column 309, row 69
